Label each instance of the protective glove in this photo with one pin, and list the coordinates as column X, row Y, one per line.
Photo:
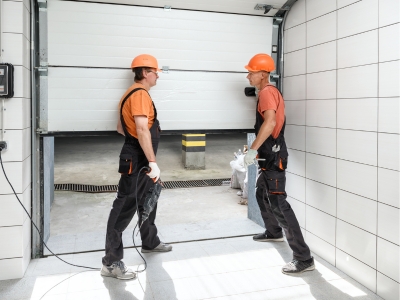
column 154, row 171
column 250, row 157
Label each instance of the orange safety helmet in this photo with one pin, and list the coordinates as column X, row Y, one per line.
column 145, row 60
column 261, row 62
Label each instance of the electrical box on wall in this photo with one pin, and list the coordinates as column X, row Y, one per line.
column 6, row 80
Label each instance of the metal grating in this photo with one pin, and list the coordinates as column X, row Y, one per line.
column 86, row 188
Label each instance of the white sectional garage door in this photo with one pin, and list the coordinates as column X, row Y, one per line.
column 91, row 46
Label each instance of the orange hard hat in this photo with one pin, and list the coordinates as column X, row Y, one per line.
column 261, row 62
column 145, row 60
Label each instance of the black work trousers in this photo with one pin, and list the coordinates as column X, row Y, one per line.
column 277, row 212
column 131, row 188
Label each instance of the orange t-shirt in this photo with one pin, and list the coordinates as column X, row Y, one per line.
column 270, row 98
column 138, row 104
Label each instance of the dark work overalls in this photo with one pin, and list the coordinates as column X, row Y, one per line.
column 271, row 196
column 132, row 159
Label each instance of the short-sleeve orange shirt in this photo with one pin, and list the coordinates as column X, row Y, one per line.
column 270, row 98
column 138, row 104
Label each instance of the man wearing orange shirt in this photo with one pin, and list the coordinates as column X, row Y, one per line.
column 138, row 123
column 270, row 147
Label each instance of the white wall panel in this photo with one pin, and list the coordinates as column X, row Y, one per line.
column 321, row 113
column 14, row 267
column 389, row 45
column 12, row 242
column 348, row 210
column 297, row 162
column 11, row 213
column 105, row 35
column 13, row 17
column 358, row 82
column 357, row 114
column 389, row 187
column 314, row 138
column 358, row 146
column 357, row 50
column 359, row 17
column 321, row 58
column 317, row 8
column 389, row 79
column 387, row 288
column 321, row 247
column 389, row 12
column 19, row 145
column 87, row 99
column 18, row 113
column 389, row 115
column 295, row 187
column 295, row 38
column 296, row 62
column 295, row 112
column 320, row 224
column 295, row 137
column 356, row 242
column 321, row 30
column 388, row 259
column 297, row 14
column 294, row 88
column 321, row 196
column 357, row 178
column 321, row 169
column 14, row 46
column 389, row 151
column 356, row 269
column 19, row 175
column 388, row 223
column 299, row 209
column 321, row 85
column 342, row 3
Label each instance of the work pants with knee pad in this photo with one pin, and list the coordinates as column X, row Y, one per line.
column 277, row 212
column 124, row 207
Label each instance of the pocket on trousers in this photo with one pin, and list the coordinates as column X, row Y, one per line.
column 125, row 164
column 276, row 182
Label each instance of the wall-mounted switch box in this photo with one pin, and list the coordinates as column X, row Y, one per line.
column 6, row 80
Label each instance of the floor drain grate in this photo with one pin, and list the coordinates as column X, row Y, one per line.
column 86, row 188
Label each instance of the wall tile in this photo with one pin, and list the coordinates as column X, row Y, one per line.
column 296, row 187
column 357, row 114
column 357, row 179
column 388, row 223
column 295, row 63
column 321, row 57
column 299, row 209
column 356, row 242
column 389, row 48
column 321, row 30
column 12, row 242
column 18, row 145
column 387, row 288
column 295, row 112
column 389, row 79
column 22, row 82
column 321, row 196
column 389, row 115
column 356, row 82
column 348, row 210
column 357, row 50
column 26, row 23
column 11, row 212
column 294, row 88
column 357, row 146
column 388, row 259
column 297, row 14
column 317, row 8
column 321, row 169
column 297, row 162
column 321, row 85
column 18, row 113
column 389, row 12
column 320, row 224
column 321, row 141
column 13, row 17
column 14, row 45
column 295, row 38
column 356, row 269
column 389, row 187
column 321, row 248
column 342, row 3
column 359, row 17
column 295, row 137
column 321, row 113
column 388, row 151
column 14, row 267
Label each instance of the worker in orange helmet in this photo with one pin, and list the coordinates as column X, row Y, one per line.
column 139, row 124
column 270, row 147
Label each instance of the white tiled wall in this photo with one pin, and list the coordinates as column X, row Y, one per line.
column 345, row 96
column 15, row 227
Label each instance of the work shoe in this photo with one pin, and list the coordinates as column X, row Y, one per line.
column 162, row 247
column 118, row 270
column 262, row 237
column 298, row 266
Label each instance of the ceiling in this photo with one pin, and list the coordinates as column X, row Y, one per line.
column 227, row 6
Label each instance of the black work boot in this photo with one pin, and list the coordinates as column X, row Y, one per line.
column 262, row 237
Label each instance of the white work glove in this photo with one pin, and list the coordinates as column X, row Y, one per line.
column 154, row 171
column 250, row 157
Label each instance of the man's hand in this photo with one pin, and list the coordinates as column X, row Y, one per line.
column 154, row 172
column 250, row 157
